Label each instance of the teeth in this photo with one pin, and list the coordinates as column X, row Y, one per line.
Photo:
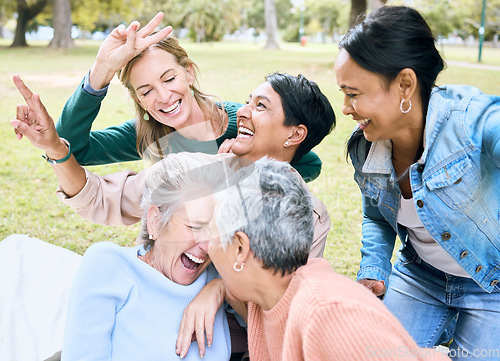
column 171, row 108
column 364, row 121
column 194, row 258
column 245, row 131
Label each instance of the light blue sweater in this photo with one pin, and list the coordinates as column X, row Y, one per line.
column 120, row 308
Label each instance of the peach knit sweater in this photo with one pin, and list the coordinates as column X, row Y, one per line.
column 326, row 316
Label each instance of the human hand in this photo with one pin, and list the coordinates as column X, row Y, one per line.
column 226, row 146
column 377, row 287
column 121, row 45
column 34, row 122
column 199, row 317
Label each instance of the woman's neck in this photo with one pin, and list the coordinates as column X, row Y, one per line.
column 270, row 288
column 200, row 127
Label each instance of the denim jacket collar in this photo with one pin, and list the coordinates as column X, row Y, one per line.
column 379, row 159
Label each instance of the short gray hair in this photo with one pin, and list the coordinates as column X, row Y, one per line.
column 271, row 205
column 176, row 179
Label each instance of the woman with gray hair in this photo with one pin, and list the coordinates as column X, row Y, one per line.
column 265, row 232
column 127, row 303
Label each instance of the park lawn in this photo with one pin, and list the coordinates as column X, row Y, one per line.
column 29, row 204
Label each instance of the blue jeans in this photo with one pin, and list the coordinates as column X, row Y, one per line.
column 426, row 300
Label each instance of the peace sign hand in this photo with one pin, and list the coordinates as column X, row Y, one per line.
column 121, row 45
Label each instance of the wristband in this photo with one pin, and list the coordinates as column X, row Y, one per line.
column 62, row 160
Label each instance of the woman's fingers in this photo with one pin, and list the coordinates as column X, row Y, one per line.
column 151, row 26
column 186, row 333
column 146, row 36
column 200, row 335
column 377, row 287
column 23, row 89
column 226, row 146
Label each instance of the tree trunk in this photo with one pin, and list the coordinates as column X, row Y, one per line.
column 25, row 13
column 62, row 24
column 358, row 7
column 271, row 25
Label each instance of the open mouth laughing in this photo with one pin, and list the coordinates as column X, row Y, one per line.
column 171, row 109
column 190, row 261
column 244, row 132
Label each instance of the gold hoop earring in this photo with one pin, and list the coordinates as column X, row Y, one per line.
column 240, row 268
column 401, row 106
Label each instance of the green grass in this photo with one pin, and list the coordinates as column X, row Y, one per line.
column 230, row 70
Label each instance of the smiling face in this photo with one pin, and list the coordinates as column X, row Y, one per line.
column 371, row 102
column 261, row 129
column 162, row 87
column 180, row 251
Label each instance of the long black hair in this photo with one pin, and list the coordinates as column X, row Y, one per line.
column 389, row 40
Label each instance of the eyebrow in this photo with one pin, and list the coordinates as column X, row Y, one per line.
column 161, row 76
column 260, row 97
column 348, row 87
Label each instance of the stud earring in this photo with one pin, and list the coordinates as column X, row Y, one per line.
column 286, row 144
column 151, row 237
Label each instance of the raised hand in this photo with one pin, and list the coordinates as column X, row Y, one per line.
column 121, row 45
column 34, row 122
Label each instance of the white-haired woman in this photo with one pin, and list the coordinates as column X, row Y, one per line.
column 297, row 309
column 127, row 303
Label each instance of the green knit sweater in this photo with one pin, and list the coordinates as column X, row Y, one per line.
column 118, row 143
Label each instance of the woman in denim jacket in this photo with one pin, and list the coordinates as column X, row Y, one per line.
column 427, row 162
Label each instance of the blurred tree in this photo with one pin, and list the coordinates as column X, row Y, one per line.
column 271, row 22
column 26, row 11
column 324, row 13
column 207, row 21
column 358, row 8
column 61, row 22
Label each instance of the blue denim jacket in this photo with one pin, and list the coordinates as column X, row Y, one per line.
column 455, row 185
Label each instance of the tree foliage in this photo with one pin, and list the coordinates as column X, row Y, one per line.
column 207, row 21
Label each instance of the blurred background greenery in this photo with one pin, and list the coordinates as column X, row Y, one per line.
column 230, row 70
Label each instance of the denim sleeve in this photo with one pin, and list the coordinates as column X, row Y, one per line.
column 377, row 244
column 88, row 88
column 491, row 133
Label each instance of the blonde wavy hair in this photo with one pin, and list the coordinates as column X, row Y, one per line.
column 150, row 131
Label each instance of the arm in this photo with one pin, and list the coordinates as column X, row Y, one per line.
column 309, row 166
column 321, row 228
column 113, row 199
column 378, row 244
column 97, row 293
column 198, row 317
column 491, row 133
column 110, row 145
column 91, row 148
column 35, row 123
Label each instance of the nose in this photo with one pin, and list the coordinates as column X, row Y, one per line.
column 163, row 94
column 244, row 112
column 203, row 245
column 347, row 106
